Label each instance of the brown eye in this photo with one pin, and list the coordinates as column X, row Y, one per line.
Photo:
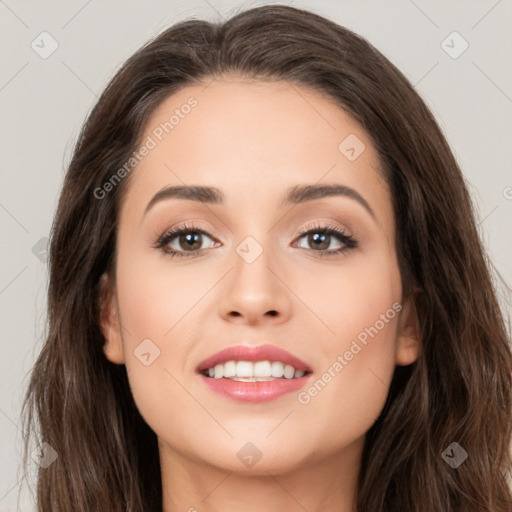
column 190, row 241
column 326, row 240
column 186, row 241
column 183, row 241
column 321, row 241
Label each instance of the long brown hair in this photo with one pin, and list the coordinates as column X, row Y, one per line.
column 459, row 390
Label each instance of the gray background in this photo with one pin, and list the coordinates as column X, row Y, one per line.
column 43, row 103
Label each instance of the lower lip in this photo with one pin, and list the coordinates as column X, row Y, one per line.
column 254, row 391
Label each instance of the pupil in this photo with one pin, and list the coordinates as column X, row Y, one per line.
column 322, row 238
column 191, row 239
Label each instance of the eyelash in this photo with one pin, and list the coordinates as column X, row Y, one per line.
column 325, row 229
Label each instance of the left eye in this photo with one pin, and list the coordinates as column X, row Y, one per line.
column 321, row 240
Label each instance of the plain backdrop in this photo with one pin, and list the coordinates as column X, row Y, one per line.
column 43, row 102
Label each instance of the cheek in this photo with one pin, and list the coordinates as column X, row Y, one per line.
column 353, row 298
column 362, row 310
column 158, row 298
column 157, row 312
column 368, row 309
column 347, row 395
column 367, row 329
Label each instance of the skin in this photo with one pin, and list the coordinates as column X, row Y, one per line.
column 254, row 140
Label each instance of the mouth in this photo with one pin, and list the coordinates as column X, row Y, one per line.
column 253, row 374
column 248, row 371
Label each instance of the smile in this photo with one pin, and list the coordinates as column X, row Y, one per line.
column 253, row 373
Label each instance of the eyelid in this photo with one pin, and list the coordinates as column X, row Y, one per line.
column 324, row 225
column 321, row 225
column 180, row 228
column 189, row 225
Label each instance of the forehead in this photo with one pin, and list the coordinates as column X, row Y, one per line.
column 254, row 140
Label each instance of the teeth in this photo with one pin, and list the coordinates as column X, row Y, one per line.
column 243, row 369
column 230, row 369
column 262, row 369
column 219, row 371
column 277, row 369
column 246, row 371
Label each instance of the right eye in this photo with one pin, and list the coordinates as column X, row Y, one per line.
column 189, row 237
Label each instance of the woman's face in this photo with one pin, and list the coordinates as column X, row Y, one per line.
column 250, row 270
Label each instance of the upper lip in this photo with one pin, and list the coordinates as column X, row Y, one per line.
column 265, row 352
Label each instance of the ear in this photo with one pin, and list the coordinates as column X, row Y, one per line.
column 409, row 335
column 109, row 322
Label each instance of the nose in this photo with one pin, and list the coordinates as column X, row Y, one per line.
column 255, row 292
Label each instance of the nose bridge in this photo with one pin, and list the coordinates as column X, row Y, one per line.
column 253, row 258
column 253, row 249
column 253, row 290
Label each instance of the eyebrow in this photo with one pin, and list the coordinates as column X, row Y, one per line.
column 296, row 195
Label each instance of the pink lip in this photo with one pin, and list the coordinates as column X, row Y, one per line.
column 254, row 391
column 258, row 353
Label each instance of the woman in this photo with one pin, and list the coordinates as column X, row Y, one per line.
column 267, row 289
